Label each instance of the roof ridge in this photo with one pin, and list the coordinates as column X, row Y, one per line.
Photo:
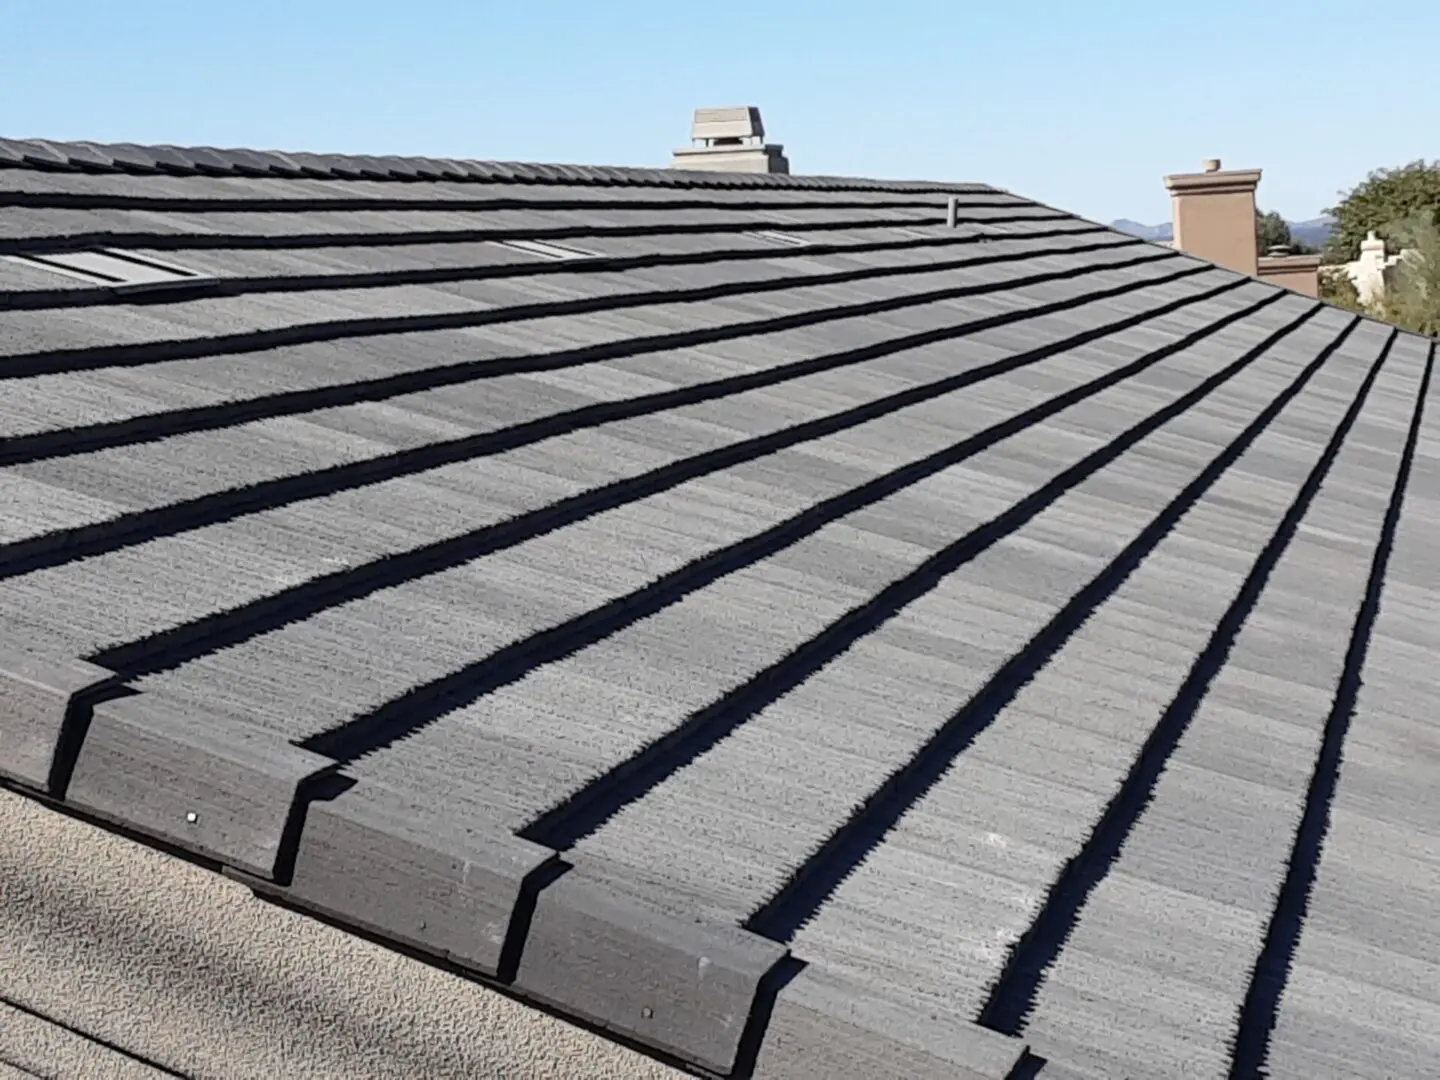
column 205, row 160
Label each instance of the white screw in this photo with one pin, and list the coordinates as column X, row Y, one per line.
column 192, row 817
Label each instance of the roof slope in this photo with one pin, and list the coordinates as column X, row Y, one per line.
column 948, row 640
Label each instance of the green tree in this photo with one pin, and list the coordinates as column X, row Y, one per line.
column 1382, row 200
column 1411, row 299
column 1271, row 230
column 1337, row 288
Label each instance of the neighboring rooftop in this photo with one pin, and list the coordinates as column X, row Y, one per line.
column 738, row 610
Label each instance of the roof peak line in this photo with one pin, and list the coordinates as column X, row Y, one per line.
column 92, row 157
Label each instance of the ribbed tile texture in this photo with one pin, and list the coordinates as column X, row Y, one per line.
column 1023, row 623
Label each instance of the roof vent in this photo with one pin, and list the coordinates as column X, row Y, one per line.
column 730, row 140
column 543, row 250
column 783, row 238
column 122, row 271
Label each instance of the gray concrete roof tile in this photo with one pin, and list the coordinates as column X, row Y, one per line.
column 39, row 152
column 864, row 595
column 131, row 158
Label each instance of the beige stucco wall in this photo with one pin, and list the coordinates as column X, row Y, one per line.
column 1219, row 227
column 1298, row 272
column 1373, row 271
column 189, row 969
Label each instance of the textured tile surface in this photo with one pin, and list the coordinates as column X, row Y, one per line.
column 1026, row 626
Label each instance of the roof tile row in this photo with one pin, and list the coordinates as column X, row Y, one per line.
column 210, row 161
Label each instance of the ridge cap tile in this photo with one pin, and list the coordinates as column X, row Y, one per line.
column 209, row 784
column 39, row 694
column 283, row 164
column 86, row 155
column 427, row 168
column 398, row 167
column 174, row 159
column 381, row 860
column 573, row 173
column 452, row 169
column 240, row 161
column 686, row 988
column 130, row 157
column 40, row 153
column 309, row 164
column 342, row 167
column 371, row 167
column 247, row 162
column 207, row 159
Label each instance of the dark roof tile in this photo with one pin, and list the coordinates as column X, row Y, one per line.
column 431, row 169
column 279, row 164
column 246, row 162
column 881, row 599
column 87, row 156
column 43, row 154
column 339, row 166
column 173, row 160
column 399, row 168
column 209, row 160
column 131, row 158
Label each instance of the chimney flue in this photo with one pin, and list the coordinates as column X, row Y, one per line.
column 730, row 140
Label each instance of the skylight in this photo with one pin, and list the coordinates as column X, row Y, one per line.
column 121, row 270
column 544, row 250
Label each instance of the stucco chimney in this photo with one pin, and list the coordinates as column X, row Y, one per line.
column 1214, row 215
column 730, row 140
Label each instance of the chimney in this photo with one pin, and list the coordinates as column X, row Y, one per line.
column 1214, row 215
column 730, row 140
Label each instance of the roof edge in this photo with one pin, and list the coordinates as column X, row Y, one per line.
column 566, row 933
column 129, row 158
column 223, row 981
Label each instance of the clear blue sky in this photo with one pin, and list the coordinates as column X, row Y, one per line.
column 1082, row 104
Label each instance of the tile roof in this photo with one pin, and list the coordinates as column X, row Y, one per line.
column 917, row 652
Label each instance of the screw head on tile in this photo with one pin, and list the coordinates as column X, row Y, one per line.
column 647, row 1012
column 192, row 817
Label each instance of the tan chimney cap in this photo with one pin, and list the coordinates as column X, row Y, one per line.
column 1213, row 181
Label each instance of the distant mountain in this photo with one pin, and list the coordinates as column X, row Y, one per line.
column 1313, row 232
column 1152, row 233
